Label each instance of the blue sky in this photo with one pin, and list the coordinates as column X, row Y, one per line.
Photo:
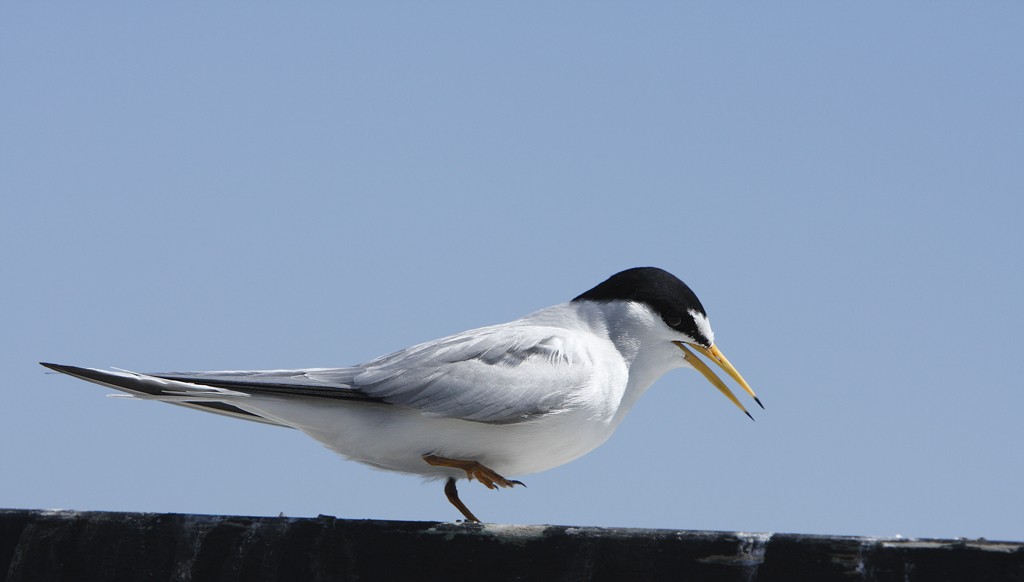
column 193, row 187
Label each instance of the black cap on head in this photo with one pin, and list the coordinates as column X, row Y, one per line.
column 658, row 289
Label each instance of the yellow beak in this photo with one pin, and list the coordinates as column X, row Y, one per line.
column 716, row 356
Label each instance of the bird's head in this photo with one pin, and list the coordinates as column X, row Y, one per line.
column 686, row 322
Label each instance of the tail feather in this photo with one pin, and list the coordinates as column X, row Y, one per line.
column 146, row 387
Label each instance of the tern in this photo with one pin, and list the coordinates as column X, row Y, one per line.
column 508, row 399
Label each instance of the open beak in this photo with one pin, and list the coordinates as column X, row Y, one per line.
column 716, row 356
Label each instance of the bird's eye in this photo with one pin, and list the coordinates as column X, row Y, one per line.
column 672, row 319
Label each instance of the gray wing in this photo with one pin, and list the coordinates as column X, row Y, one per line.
column 501, row 374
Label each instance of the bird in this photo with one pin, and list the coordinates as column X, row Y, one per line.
column 486, row 404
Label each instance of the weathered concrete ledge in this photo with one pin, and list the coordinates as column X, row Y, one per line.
column 71, row 545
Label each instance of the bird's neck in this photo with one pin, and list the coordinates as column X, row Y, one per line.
column 647, row 356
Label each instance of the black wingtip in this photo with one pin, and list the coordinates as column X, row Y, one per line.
column 748, row 415
column 82, row 373
column 758, row 401
column 54, row 367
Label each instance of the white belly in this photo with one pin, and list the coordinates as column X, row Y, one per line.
column 396, row 438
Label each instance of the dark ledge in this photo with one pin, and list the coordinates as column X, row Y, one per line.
column 72, row 545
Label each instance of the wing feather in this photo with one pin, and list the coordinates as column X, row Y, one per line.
column 500, row 374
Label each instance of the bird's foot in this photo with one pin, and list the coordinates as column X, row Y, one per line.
column 474, row 470
column 490, row 479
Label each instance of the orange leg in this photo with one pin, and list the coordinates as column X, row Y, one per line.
column 453, row 496
column 474, row 470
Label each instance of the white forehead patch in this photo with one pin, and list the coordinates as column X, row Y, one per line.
column 703, row 325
